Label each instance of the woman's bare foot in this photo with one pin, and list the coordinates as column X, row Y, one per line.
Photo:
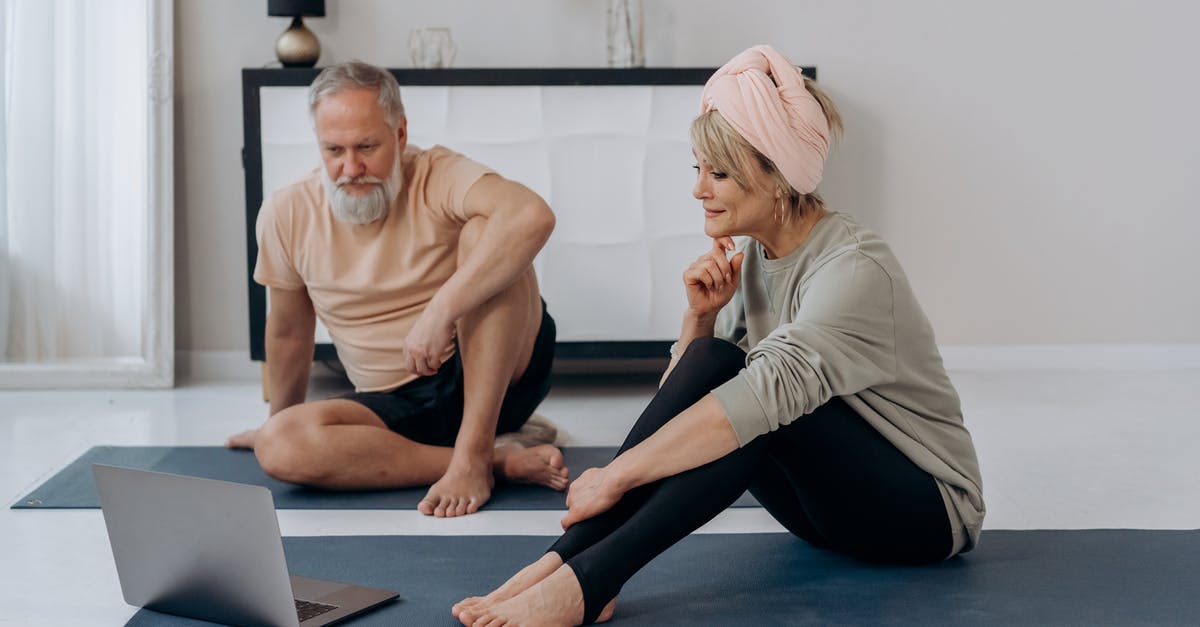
column 555, row 600
column 245, row 439
column 518, row 583
column 541, row 464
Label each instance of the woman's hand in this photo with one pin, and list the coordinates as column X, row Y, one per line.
column 593, row 493
column 712, row 279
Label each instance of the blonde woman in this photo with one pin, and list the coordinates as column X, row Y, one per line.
column 810, row 377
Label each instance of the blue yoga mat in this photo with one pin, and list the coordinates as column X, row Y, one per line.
column 1085, row 577
column 74, row 488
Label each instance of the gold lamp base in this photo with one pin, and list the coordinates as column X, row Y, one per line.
column 297, row 46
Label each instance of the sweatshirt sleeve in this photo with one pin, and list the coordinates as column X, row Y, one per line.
column 839, row 340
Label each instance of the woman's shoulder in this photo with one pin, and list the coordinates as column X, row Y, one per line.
column 845, row 234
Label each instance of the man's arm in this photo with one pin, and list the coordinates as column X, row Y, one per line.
column 289, row 343
column 518, row 224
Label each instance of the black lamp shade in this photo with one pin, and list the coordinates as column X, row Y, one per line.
column 292, row 8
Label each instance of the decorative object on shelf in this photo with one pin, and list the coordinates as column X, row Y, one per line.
column 626, row 43
column 297, row 46
column 431, row 48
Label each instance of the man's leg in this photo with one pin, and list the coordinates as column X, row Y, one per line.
column 340, row 444
column 495, row 343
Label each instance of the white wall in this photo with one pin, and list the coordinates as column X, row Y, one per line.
column 1031, row 162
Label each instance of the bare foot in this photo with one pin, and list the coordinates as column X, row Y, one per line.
column 245, row 439
column 542, row 464
column 467, row 609
column 555, row 600
column 461, row 491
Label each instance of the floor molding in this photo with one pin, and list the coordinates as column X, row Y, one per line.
column 237, row 365
column 216, row 366
column 1081, row 357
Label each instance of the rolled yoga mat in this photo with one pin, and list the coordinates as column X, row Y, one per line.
column 74, row 488
column 1081, row 577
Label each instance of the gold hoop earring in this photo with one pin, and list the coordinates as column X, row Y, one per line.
column 779, row 213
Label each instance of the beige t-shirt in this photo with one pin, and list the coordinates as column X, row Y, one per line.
column 370, row 283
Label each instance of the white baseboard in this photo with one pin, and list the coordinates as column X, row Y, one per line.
column 237, row 365
column 193, row 366
column 1082, row 357
column 216, row 366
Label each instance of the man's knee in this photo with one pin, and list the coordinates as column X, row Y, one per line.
column 285, row 447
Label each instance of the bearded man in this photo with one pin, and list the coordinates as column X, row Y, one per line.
column 420, row 264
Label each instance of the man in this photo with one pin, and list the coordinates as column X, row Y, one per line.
column 419, row 262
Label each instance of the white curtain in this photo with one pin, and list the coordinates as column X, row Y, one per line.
column 4, row 289
column 73, row 218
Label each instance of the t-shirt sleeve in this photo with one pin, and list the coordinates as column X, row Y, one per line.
column 840, row 341
column 274, row 266
column 449, row 178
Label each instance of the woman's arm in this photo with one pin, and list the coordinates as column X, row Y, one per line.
column 710, row 282
column 697, row 436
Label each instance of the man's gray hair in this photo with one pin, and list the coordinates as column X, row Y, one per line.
column 358, row 75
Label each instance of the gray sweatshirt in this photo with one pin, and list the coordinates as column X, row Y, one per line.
column 837, row 317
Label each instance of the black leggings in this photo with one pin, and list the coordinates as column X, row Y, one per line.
column 828, row 477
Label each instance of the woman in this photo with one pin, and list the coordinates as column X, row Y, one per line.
column 811, row 377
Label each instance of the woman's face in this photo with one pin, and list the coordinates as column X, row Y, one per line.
column 730, row 209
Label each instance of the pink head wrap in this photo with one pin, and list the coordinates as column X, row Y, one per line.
column 762, row 96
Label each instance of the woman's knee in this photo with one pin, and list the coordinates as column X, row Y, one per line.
column 714, row 350
column 711, row 357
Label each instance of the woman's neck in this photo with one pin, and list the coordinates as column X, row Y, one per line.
column 786, row 239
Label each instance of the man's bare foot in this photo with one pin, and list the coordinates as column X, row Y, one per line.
column 461, row 491
column 518, row 583
column 245, row 439
column 542, row 464
column 555, row 600
column 464, row 490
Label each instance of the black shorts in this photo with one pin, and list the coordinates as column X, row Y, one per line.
column 429, row 409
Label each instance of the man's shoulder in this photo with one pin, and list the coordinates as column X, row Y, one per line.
column 439, row 159
column 305, row 192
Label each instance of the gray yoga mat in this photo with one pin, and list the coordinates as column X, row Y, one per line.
column 1084, row 577
column 74, row 488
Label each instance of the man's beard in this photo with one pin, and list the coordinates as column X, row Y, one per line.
column 365, row 208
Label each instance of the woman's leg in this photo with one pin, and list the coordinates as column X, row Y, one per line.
column 605, row 551
column 705, row 365
column 833, row 480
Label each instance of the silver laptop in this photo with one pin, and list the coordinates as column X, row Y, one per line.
column 212, row 550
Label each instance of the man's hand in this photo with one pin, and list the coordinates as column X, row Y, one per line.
column 712, row 279
column 244, row 439
column 425, row 343
column 462, row 490
column 593, row 493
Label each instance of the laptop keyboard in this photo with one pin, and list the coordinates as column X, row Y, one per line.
column 308, row 609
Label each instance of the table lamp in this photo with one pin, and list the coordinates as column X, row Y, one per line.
column 297, row 46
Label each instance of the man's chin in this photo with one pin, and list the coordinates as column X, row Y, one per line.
column 358, row 220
